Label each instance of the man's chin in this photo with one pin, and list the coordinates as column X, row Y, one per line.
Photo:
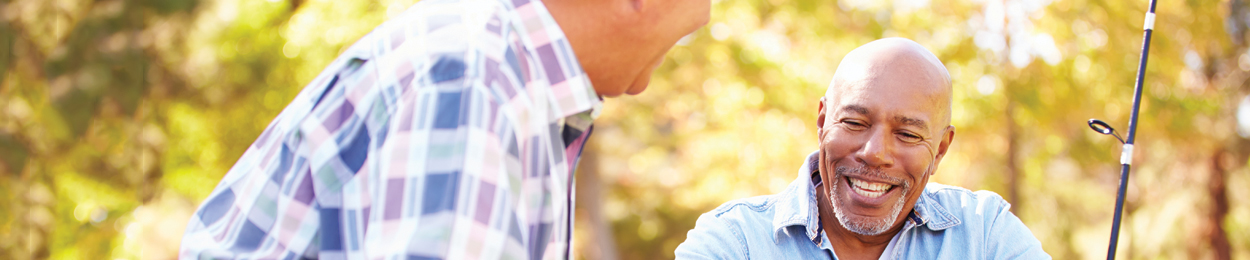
column 863, row 224
column 868, row 226
column 635, row 90
column 638, row 85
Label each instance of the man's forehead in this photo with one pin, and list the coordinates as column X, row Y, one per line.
column 898, row 73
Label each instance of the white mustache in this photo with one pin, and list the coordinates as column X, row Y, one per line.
column 841, row 171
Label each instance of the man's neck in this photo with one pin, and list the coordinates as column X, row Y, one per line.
column 846, row 244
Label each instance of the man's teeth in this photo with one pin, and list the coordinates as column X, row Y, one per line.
column 869, row 189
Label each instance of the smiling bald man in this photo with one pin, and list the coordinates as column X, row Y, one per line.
column 883, row 126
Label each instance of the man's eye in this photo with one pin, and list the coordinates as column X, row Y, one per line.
column 854, row 125
column 909, row 137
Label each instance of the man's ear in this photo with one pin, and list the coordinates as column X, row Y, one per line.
column 820, row 118
column 947, row 137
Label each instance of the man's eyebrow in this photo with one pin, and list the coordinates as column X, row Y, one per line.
column 919, row 123
column 856, row 108
column 915, row 122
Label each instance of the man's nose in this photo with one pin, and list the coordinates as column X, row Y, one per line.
column 876, row 151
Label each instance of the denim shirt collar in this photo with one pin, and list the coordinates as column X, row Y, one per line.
column 796, row 206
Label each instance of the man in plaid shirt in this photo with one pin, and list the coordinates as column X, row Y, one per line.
column 451, row 131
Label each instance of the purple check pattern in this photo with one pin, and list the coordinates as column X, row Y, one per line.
column 450, row 132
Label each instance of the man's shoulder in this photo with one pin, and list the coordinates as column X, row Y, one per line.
column 434, row 28
column 753, row 206
column 725, row 231
column 743, row 216
column 966, row 205
column 721, row 233
column 450, row 11
column 938, row 190
column 979, row 219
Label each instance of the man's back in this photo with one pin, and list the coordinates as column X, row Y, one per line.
column 448, row 132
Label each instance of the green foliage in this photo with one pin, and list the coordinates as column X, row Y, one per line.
column 118, row 117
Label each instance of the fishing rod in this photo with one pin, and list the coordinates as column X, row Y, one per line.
column 1126, row 152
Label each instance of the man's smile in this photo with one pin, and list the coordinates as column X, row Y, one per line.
column 869, row 189
column 870, row 192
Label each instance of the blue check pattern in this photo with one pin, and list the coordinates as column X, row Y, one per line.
column 451, row 131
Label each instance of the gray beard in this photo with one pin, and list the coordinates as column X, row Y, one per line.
column 864, row 225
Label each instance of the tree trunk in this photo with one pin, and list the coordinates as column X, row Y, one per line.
column 1217, row 190
column 590, row 199
column 1013, row 151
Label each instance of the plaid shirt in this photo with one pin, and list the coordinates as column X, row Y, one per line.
column 451, row 131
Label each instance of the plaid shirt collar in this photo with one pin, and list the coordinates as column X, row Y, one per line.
column 575, row 95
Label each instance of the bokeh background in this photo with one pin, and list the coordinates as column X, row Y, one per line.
column 117, row 117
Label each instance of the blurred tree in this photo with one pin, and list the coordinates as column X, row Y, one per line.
column 118, row 117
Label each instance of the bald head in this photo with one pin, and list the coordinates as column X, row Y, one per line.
column 898, row 64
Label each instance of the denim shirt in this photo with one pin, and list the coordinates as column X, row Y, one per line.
column 946, row 223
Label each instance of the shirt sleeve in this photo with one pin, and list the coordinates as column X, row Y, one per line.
column 712, row 238
column 265, row 206
column 1009, row 238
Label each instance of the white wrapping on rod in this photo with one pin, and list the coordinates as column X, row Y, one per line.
column 1126, row 155
column 1150, row 21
